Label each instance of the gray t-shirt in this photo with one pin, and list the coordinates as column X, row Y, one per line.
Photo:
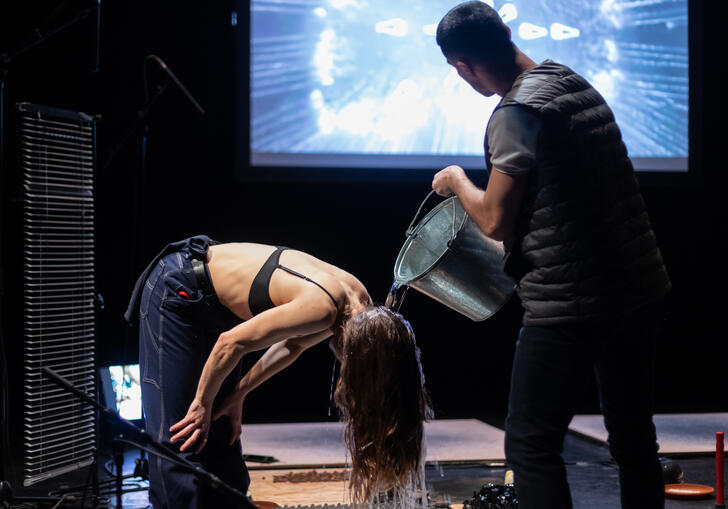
column 512, row 136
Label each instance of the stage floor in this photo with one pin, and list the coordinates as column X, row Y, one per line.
column 321, row 444
column 677, row 434
column 592, row 476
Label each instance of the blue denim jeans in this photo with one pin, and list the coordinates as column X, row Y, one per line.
column 551, row 368
column 176, row 334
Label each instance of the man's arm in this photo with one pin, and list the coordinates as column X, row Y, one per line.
column 495, row 209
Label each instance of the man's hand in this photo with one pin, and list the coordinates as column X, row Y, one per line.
column 195, row 425
column 445, row 181
column 232, row 406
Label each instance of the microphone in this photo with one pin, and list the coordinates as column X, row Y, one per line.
column 176, row 81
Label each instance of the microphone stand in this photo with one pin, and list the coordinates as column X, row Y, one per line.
column 152, row 446
column 140, row 128
column 141, row 121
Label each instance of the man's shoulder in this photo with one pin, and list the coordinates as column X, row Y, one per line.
column 540, row 85
column 513, row 114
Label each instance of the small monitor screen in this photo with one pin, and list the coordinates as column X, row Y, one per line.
column 127, row 391
column 362, row 83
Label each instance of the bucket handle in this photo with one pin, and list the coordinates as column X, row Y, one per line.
column 411, row 227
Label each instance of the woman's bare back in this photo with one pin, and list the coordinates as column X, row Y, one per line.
column 233, row 268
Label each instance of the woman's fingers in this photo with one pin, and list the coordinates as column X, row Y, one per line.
column 191, row 441
column 179, row 425
column 184, row 432
column 203, row 442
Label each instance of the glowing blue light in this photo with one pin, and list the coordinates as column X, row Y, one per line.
column 366, row 76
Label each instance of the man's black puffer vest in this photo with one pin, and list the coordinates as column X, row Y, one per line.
column 584, row 249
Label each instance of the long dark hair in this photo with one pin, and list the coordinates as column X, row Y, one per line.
column 381, row 396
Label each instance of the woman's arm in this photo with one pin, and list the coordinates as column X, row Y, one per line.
column 296, row 318
column 278, row 357
column 300, row 317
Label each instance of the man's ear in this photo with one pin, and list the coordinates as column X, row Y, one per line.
column 465, row 71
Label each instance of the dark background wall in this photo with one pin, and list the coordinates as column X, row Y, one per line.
column 190, row 186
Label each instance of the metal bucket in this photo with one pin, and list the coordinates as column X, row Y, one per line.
column 448, row 258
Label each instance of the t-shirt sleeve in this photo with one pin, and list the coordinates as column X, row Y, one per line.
column 512, row 136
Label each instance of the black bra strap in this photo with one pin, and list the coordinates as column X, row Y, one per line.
column 259, row 297
column 291, row 271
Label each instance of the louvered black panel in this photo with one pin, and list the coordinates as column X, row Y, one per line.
column 57, row 159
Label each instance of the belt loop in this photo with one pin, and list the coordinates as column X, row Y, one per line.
column 198, row 245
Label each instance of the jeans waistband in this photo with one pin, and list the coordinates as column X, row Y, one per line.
column 193, row 248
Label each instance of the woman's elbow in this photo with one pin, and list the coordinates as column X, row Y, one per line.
column 323, row 316
column 231, row 348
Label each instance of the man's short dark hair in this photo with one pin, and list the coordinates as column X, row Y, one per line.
column 475, row 33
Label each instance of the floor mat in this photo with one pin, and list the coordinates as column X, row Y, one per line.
column 676, row 433
column 321, row 444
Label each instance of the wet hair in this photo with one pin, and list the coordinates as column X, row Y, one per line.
column 382, row 398
column 474, row 32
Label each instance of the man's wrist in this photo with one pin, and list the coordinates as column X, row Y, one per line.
column 458, row 183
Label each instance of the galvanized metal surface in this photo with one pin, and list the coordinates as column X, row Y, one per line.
column 448, row 258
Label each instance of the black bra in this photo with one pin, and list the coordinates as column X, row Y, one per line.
column 259, row 297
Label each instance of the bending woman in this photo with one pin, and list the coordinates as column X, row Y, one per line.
column 203, row 306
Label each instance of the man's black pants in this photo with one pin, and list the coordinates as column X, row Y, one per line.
column 551, row 369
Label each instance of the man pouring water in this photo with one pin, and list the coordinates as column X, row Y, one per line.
column 563, row 198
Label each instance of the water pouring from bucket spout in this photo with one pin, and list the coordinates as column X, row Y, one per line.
column 448, row 258
column 395, row 298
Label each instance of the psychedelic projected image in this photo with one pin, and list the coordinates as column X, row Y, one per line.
column 363, row 82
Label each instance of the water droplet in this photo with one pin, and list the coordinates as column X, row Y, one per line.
column 331, row 393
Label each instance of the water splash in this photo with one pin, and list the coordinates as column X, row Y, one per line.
column 411, row 496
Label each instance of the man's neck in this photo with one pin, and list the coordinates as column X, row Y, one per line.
column 522, row 64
